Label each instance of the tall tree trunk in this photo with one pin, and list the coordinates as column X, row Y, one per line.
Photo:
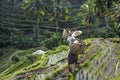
column 9, row 13
column 107, row 21
column 56, row 25
column 14, row 26
column 34, row 31
column 119, row 30
column 38, row 31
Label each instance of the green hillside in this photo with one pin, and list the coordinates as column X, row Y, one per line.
column 32, row 46
column 102, row 63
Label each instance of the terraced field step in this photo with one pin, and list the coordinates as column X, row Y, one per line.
column 101, row 65
column 54, row 64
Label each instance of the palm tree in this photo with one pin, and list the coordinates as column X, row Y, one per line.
column 7, row 8
column 57, row 10
column 34, row 10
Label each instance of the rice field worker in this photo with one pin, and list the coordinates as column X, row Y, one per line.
column 75, row 47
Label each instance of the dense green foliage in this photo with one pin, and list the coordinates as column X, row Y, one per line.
column 29, row 25
column 39, row 19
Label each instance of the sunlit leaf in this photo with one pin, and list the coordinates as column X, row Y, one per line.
column 51, row 18
column 66, row 18
column 66, row 11
column 42, row 12
column 60, row 14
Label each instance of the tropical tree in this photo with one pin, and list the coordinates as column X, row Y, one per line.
column 57, row 10
column 115, row 30
column 104, row 8
column 34, row 10
column 7, row 8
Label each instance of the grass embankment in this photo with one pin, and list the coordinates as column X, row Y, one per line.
column 16, row 62
column 21, row 61
column 116, row 76
column 103, row 65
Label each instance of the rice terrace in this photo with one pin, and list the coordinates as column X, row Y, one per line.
column 59, row 40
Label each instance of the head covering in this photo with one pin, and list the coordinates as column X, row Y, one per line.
column 67, row 33
column 76, row 33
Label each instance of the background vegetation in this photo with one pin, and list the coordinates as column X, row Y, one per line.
column 31, row 23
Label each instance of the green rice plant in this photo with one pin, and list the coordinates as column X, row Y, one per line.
column 99, row 67
column 89, row 47
column 115, row 77
column 76, row 70
column 57, row 50
column 55, row 71
column 93, row 72
column 41, row 63
column 71, row 76
column 14, row 66
column 101, row 70
column 89, row 68
column 5, row 61
column 7, row 77
column 19, row 67
column 117, row 50
column 89, row 40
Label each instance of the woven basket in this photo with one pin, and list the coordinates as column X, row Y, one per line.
column 66, row 33
column 78, row 48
